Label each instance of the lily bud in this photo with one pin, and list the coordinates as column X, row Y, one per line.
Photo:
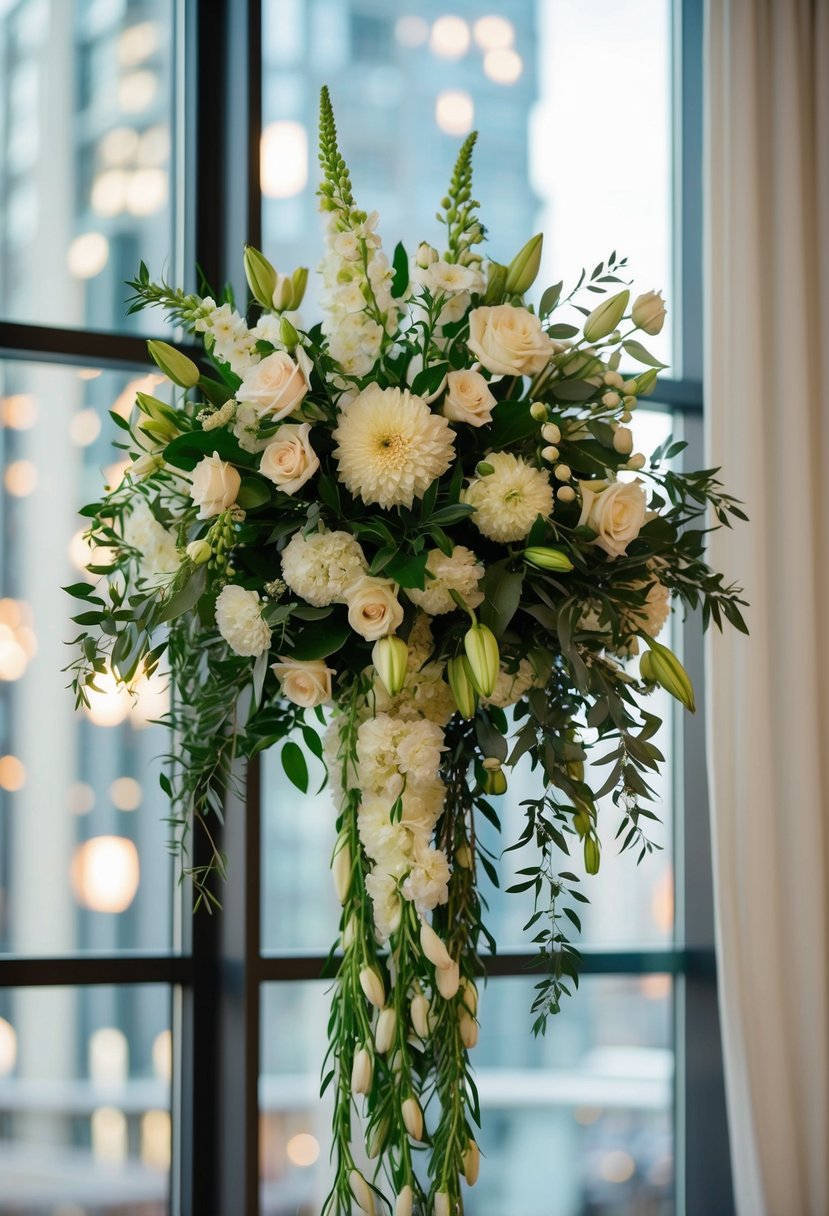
column 426, row 255
column 442, row 1207
column 551, row 433
column 538, row 411
column 199, row 552
column 666, row 669
column 550, row 453
column 341, row 868
column 546, row 558
column 405, row 1202
column 390, row 656
column 648, row 312
column 472, row 1163
column 496, row 283
column 349, row 933
column 288, row 336
column 372, row 987
column 643, row 384
column 377, row 1139
column 491, row 764
column 447, row 980
column 412, row 1118
column 523, row 269
column 604, row 319
column 484, row 659
column 282, row 297
column 299, row 281
column 469, row 996
column 592, row 854
column 145, row 466
column 496, row 783
column 261, row 276
column 463, row 857
column 434, row 949
column 176, row 366
column 458, row 674
column 361, row 1071
column 420, row 1016
column 159, row 429
column 646, row 668
column 362, row 1192
column 384, row 1030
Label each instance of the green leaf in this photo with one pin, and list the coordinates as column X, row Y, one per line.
column 563, row 331
column 254, row 492
column 406, row 570
column 319, row 641
column 573, row 390
column 638, row 352
column 502, row 595
column 511, row 423
column 295, row 766
column 186, row 598
column 451, row 514
column 400, row 265
column 429, row 380
column 549, row 299
column 185, row 451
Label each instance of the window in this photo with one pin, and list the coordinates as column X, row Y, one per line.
column 152, row 1061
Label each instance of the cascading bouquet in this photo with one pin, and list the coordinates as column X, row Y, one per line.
column 369, row 541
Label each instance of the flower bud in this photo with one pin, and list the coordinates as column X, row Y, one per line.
column 623, row 441
column 562, row 472
column 261, row 276
column 463, row 857
column 384, row 1030
column 459, row 677
column 199, row 552
column 372, row 987
column 405, row 1202
column 377, row 1138
column 484, row 469
column 341, row 868
column 434, row 949
column 592, row 854
column 611, row 399
column 390, row 656
column 538, row 411
column 412, row 1118
column 157, row 411
column 644, row 383
column 637, row 461
column 283, row 294
column 362, row 1192
column 550, row 453
column 648, row 312
column 426, row 255
column 288, row 336
column 496, row 283
column 604, row 319
column 469, row 996
column 523, row 269
column 361, row 1071
column 546, row 558
column 145, row 466
column 420, row 1016
column 666, row 669
column 484, row 659
column 447, row 980
column 491, row 764
column 551, row 433
column 646, row 668
column 299, row 280
column 472, row 1163
column 442, row 1207
column 349, row 933
column 496, row 783
column 176, row 366
column 612, row 378
column 565, row 494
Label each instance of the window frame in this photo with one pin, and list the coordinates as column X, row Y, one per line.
column 216, row 977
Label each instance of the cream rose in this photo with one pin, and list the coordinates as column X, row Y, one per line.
column 373, row 608
column 468, row 398
column 276, row 386
column 214, row 485
column 305, row 683
column 290, row 460
column 509, row 341
column 615, row 511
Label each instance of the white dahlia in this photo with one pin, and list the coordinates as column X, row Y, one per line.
column 239, row 621
column 320, row 567
column 391, row 447
column 461, row 572
column 508, row 500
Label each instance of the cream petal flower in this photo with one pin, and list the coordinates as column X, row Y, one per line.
column 508, row 500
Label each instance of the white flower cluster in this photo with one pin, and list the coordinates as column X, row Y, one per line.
column 321, row 567
column 461, row 572
column 154, row 542
column 398, row 765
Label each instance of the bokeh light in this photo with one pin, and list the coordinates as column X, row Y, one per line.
column 283, row 159
column 87, row 255
column 302, row 1149
column 450, row 37
column 126, row 793
column 105, row 873
column 454, row 112
column 493, row 32
column 503, row 66
column 12, row 774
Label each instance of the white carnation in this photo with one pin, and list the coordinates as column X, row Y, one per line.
column 239, row 621
column 156, row 545
column 427, row 884
column 508, row 500
column 382, row 889
column 461, row 573
column 419, row 750
column 322, row 566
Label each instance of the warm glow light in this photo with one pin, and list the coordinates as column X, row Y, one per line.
column 109, row 1134
column 450, row 37
column 156, row 1138
column 493, row 33
column 85, row 427
column 655, row 987
column 125, row 401
column 105, row 873
column 146, row 191
column 153, row 700
column 154, row 147
column 118, row 146
column 136, row 91
column 11, row 613
column 20, row 478
column 163, row 1055
column 8, row 1047
column 454, row 112
column 302, row 1150
column 411, row 31
column 13, row 659
column 12, row 773
column 19, row 411
column 88, row 373
column 114, row 474
column 109, row 1056
column 504, row 66
column 617, row 1166
column 109, row 701
column 587, row 1115
column 125, row 793
column 137, row 43
column 283, row 159
column 87, row 255
column 80, row 798
column 662, row 901
column 109, row 192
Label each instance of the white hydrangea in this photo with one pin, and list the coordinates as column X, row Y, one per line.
column 425, row 694
column 508, row 500
column 382, row 839
column 427, row 884
column 377, row 758
column 321, row 567
column 419, row 750
column 239, row 621
column 461, row 572
column 156, row 545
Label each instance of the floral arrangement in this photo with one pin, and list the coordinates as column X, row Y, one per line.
column 415, row 542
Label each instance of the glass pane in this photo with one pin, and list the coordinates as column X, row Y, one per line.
column 83, row 857
column 85, row 1101
column 565, row 145
column 86, row 100
column 578, row 1123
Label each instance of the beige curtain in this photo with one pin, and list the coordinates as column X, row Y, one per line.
column 767, row 394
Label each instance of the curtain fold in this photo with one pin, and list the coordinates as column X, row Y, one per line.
column 767, row 397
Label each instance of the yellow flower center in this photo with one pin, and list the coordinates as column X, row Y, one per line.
column 394, row 449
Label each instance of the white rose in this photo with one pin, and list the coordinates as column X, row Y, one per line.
column 305, row 683
column 214, row 485
column 276, row 386
column 373, row 607
column 239, row 621
column 509, row 341
column 468, row 398
column 616, row 512
column 290, row 460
